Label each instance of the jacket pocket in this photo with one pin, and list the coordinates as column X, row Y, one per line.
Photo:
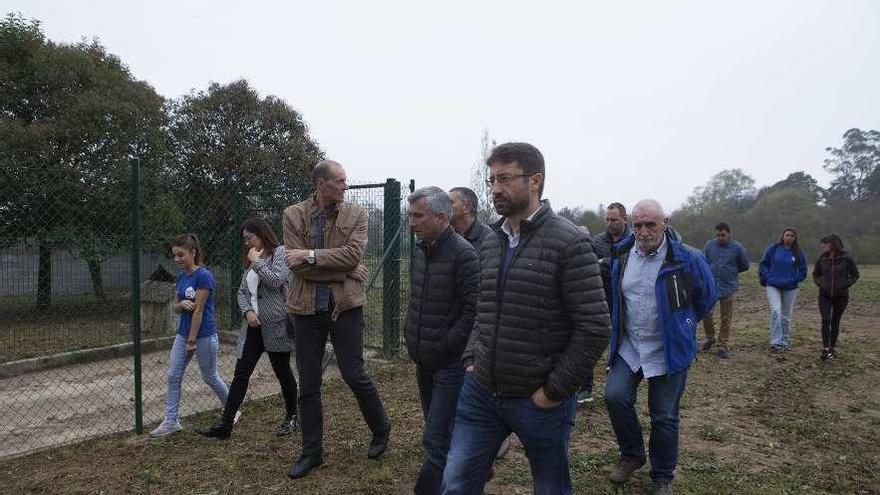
column 678, row 289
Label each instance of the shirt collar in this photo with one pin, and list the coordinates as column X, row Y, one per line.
column 505, row 227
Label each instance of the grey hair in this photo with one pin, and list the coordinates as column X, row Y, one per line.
column 468, row 197
column 322, row 169
column 651, row 205
column 438, row 200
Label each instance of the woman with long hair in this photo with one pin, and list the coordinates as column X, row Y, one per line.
column 783, row 267
column 262, row 297
column 196, row 332
column 835, row 272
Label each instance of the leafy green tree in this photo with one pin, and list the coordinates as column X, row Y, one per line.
column 796, row 180
column 71, row 116
column 226, row 140
column 728, row 189
column 856, row 166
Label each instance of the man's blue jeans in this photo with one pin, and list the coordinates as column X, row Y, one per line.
column 664, row 396
column 483, row 420
column 438, row 391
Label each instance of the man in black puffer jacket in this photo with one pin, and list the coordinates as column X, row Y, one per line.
column 542, row 320
column 443, row 295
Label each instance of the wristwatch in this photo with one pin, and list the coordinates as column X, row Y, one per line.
column 310, row 259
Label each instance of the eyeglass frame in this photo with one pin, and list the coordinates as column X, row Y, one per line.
column 507, row 178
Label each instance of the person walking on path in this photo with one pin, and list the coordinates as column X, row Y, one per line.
column 444, row 279
column 196, row 331
column 783, row 267
column 662, row 289
column 727, row 259
column 541, row 321
column 262, row 299
column 325, row 238
column 835, row 272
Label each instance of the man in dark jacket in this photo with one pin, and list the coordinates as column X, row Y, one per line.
column 443, row 296
column 465, row 208
column 661, row 290
column 727, row 259
column 615, row 230
column 542, row 321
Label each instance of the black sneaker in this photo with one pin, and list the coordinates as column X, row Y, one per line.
column 287, row 427
column 708, row 344
column 584, row 397
column 722, row 352
column 832, row 353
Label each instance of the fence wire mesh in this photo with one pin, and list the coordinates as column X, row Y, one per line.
column 66, row 310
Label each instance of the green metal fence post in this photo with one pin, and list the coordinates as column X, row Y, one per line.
column 136, row 292
column 391, row 271
column 234, row 263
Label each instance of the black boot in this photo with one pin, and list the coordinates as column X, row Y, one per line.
column 221, row 429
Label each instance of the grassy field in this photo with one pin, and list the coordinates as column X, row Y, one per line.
column 756, row 424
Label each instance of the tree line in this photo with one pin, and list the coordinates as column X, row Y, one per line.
column 849, row 206
column 73, row 115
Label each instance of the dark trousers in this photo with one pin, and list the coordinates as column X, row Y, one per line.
column 244, row 368
column 831, row 309
column 347, row 336
column 438, row 391
column 587, row 384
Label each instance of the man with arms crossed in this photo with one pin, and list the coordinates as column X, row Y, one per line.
column 325, row 239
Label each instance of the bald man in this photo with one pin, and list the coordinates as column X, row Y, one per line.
column 661, row 289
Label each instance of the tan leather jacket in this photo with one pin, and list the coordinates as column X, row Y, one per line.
column 345, row 239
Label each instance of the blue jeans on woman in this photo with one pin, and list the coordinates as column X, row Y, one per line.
column 483, row 420
column 207, row 349
column 781, row 305
column 664, row 396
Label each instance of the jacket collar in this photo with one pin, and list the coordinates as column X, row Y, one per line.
column 673, row 246
column 544, row 212
column 441, row 239
column 476, row 230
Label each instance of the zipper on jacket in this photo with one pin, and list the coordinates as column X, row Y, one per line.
column 500, row 293
column 675, row 284
column 425, row 282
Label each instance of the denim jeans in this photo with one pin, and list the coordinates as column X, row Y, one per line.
column 438, row 391
column 347, row 335
column 664, row 395
column 207, row 349
column 483, row 420
column 781, row 305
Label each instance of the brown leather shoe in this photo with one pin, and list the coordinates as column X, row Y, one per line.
column 625, row 468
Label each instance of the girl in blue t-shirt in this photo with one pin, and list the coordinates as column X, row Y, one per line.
column 197, row 332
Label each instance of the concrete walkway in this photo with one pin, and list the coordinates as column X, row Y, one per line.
column 64, row 405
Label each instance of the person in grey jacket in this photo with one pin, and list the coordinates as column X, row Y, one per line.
column 262, row 298
column 444, row 276
column 727, row 259
column 542, row 320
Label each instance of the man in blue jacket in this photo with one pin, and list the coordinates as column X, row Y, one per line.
column 661, row 289
column 727, row 259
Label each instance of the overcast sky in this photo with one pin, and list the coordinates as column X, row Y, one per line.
column 626, row 100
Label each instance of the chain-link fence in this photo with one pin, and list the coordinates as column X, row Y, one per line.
column 86, row 320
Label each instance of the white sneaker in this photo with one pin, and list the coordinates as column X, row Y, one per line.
column 237, row 417
column 166, row 428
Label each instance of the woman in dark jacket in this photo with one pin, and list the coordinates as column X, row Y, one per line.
column 261, row 297
column 783, row 267
column 834, row 273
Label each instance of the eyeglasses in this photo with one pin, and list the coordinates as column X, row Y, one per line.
column 649, row 225
column 505, row 179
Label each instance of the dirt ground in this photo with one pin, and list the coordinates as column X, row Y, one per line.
column 757, row 423
column 64, row 405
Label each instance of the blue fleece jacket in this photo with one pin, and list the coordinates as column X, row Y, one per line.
column 782, row 268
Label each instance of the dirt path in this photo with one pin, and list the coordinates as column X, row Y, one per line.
column 64, row 405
